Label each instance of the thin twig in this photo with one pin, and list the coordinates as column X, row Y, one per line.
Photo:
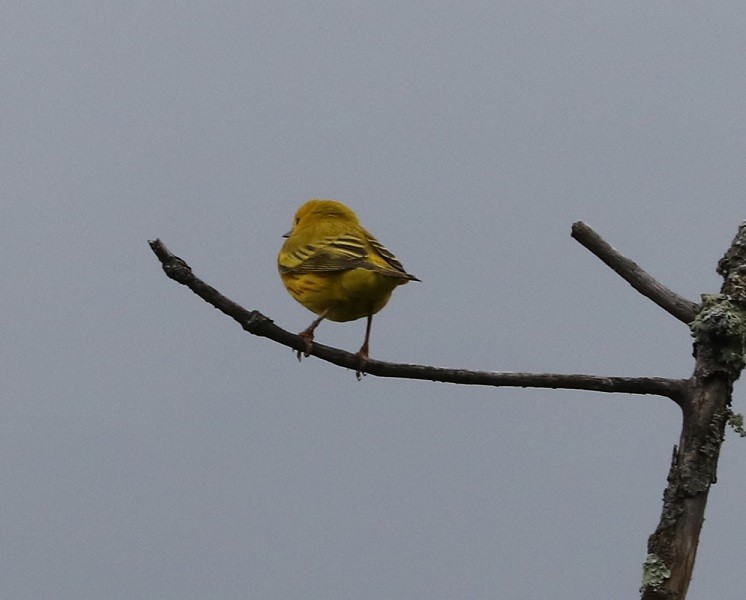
column 678, row 306
column 256, row 323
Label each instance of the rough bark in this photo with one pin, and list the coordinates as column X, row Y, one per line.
column 719, row 331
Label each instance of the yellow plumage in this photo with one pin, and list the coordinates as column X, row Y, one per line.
column 335, row 268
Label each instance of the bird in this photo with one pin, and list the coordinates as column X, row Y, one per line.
column 334, row 267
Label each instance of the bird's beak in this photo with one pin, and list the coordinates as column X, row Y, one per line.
column 287, row 235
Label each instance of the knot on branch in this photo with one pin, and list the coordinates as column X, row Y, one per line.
column 720, row 329
column 256, row 322
column 178, row 270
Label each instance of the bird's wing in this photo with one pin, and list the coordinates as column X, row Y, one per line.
column 395, row 268
column 331, row 253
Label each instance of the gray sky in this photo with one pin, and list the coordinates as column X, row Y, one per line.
column 151, row 449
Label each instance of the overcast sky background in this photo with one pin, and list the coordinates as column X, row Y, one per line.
column 151, row 449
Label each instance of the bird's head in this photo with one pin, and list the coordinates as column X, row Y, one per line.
column 315, row 210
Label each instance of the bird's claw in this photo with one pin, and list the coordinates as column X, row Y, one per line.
column 308, row 337
column 363, row 359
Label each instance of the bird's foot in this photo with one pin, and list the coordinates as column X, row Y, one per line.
column 362, row 356
column 307, row 335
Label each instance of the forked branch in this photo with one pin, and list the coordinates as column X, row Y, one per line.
column 256, row 323
column 720, row 347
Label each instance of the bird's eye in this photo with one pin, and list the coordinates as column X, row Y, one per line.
column 297, row 220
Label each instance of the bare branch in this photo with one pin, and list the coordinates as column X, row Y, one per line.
column 678, row 306
column 256, row 323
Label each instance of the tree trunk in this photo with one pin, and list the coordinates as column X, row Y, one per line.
column 720, row 341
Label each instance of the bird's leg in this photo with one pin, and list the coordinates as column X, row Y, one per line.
column 307, row 333
column 363, row 352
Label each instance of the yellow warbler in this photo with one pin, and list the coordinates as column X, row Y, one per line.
column 336, row 269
